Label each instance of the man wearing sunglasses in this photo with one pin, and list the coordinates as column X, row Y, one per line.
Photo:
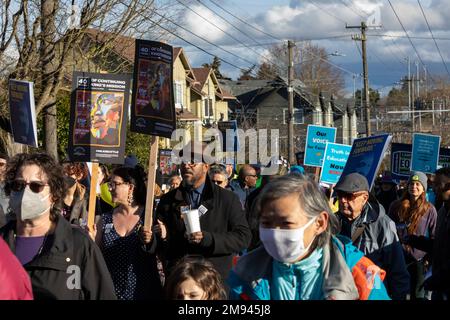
column 224, row 229
column 364, row 220
column 219, row 176
column 245, row 183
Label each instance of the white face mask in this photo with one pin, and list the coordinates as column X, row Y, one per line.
column 28, row 205
column 284, row 245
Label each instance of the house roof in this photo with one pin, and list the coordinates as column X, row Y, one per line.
column 201, row 76
column 251, row 91
column 184, row 115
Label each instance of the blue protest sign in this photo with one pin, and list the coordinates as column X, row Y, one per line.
column 401, row 160
column 366, row 156
column 229, row 139
column 334, row 161
column 425, row 152
column 316, row 141
column 23, row 112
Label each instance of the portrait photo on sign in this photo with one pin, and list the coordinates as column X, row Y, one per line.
column 98, row 118
column 153, row 92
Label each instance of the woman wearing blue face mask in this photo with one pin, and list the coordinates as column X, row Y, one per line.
column 61, row 260
column 301, row 259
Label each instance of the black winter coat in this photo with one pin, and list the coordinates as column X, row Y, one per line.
column 71, row 266
column 224, row 226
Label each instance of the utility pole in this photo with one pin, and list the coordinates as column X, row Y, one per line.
column 363, row 27
column 291, row 156
column 418, row 79
column 409, row 92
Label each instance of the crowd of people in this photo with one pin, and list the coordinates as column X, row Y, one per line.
column 279, row 237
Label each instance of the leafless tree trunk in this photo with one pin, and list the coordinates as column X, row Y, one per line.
column 38, row 44
column 47, row 58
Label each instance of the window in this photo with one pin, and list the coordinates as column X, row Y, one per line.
column 298, row 116
column 208, row 108
column 178, row 88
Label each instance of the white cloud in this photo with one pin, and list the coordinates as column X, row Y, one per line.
column 301, row 19
column 202, row 27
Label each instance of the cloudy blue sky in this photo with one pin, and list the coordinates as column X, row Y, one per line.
column 280, row 20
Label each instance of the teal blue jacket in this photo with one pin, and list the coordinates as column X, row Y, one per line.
column 348, row 274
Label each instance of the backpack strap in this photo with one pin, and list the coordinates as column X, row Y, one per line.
column 358, row 232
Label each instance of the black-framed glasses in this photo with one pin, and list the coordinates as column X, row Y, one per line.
column 35, row 186
column 114, row 184
column 252, row 175
column 217, row 181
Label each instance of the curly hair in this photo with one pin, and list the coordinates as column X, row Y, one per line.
column 49, row 167
column 134, row 176
column 199, row 270
column 79, row 169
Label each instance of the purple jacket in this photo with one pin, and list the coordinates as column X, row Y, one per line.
column 426, row 227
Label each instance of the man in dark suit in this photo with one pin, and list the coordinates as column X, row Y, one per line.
column 224, row 228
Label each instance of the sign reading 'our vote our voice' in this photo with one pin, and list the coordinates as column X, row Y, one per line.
column 316, row 142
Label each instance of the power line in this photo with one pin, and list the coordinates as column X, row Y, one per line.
column 357, row 47
column 228, row 22
column 365, row 17
column 412, row 37
column 194, row 45
column 353, row 10
column 361, row 16
column 343, row 37
column 203, row 50
column 245, row 22
column 431, row 32
column 409, row 38
column 225, row 32
column 336, row 17
column 209, row 42
column 326, row 11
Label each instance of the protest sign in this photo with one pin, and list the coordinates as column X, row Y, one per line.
column 316, row 141
column 401, row 160
column 22, row 112
column 166, row 166
column 336, row 156
column 366, row 156
column 425, row 152
column 98, row 115
column 153, row 108
column 229, row 139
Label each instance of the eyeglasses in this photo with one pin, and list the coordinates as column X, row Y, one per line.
column 348, row 196
column 217, row 181
column 252, row 175
column 113, row 184
column 35, row 186
column 190, row 163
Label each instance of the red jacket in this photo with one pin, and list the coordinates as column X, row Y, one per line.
column 15, row 282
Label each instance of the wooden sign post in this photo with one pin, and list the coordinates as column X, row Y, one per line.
column 152, row 165
column 317, row 174
column 92, row 196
